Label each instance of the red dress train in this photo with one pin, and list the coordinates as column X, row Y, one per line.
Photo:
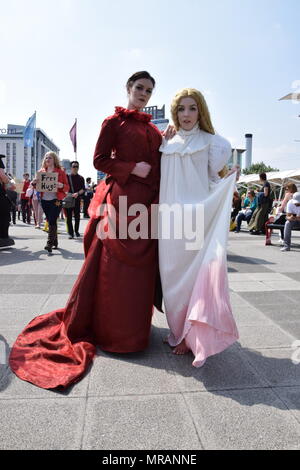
column 112, row 300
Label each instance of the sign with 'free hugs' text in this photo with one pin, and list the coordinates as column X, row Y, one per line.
column 46, row 182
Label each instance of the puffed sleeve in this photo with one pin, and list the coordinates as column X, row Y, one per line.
column 218, row 155
column 118, row 169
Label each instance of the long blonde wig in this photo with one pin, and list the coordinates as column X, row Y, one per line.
column 204, row 119
column 55, row 159
column 203, row 113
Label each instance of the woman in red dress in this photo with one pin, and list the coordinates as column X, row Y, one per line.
column 111, row 303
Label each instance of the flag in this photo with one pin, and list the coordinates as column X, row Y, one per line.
column 29, row 131
column 73, row 135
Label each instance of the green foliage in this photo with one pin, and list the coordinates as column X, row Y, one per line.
column 258, row 168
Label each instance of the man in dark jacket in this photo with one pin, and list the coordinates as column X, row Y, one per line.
column 5, row 206
column 77, row 188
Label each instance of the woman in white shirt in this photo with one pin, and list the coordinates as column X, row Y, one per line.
column 194, row 274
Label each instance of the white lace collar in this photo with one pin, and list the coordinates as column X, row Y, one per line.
column 186, row 142
column 185, row 133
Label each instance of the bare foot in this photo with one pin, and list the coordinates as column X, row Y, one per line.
column 181, row 348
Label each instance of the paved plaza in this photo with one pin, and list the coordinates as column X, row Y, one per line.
column 247, row 397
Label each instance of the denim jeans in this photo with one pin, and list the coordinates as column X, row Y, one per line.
column 289, row 225
column 52, row 209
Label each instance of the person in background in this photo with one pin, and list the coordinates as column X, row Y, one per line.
column 87, row 197
column 51, row 201
column 36, row 205
column 25, row 201
column 260, row 215
column 292, row 220
column 5, row 207
column 249, row 206
column 12, row 196
column 77, row 187
column 290, row 189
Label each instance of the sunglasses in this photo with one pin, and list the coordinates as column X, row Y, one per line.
column 75, row 166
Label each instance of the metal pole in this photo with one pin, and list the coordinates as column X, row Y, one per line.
column 76, row 139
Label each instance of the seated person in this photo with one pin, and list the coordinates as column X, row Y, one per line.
column 292, row 220
column 249, row 206
column 280, row 218
column 261, row 213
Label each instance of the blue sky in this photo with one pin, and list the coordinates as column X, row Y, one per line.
column 72, row 58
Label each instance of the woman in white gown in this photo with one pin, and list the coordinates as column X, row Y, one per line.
column 194, row 281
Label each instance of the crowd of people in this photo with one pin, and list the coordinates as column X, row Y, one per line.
column 43, row 209
column 256, row 208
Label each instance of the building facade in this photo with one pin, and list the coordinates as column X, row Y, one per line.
column 20, row 159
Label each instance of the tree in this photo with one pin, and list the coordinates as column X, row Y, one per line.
column 258, row 168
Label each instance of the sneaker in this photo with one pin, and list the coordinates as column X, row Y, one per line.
column 77, row 234
column 6, row 243
column 71, row 237
column 285, row 248
column 281, row 242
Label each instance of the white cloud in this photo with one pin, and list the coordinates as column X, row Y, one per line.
column 2, row 92
column 133, row 54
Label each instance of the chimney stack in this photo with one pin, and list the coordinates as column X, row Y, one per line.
column 248, row 150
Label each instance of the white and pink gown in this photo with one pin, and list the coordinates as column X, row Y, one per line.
column 195, row 282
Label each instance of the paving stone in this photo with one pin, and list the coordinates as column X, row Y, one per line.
column 266, row 336
column 291, row 397
column 226, row 370
column 237, row 300
column 243, row 420
column 139, row 423
column 47, row 424
column 131, row 374
column 283, row 285
column 55, row 301
column 18, row 318
column 249, row 316
column 291, row 327
column 295, row 276
column 250, row 286
column 268, row 298
column 282, row 312
column 275, row 365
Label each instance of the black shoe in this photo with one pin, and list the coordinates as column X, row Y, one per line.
column 77, row 234
column 6, row 243
column 256, row 232
column 71, row 237
column 48, row 248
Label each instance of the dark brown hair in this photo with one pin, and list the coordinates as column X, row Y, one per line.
column 291, row 187
column 137, row 76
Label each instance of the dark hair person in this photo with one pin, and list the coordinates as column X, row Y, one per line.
column 111, row 303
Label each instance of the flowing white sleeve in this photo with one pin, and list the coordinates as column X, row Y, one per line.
column 218, row 155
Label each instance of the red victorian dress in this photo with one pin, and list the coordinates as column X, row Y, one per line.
column 112, row 300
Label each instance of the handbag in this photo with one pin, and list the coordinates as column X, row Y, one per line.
column 69, row 201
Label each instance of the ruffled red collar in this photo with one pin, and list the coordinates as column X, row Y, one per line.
column 138, row 115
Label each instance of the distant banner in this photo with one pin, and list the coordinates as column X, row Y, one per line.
column 46, row 182
column 73, row 135
column 29, row 131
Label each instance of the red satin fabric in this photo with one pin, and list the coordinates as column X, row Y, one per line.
column 111, row 303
